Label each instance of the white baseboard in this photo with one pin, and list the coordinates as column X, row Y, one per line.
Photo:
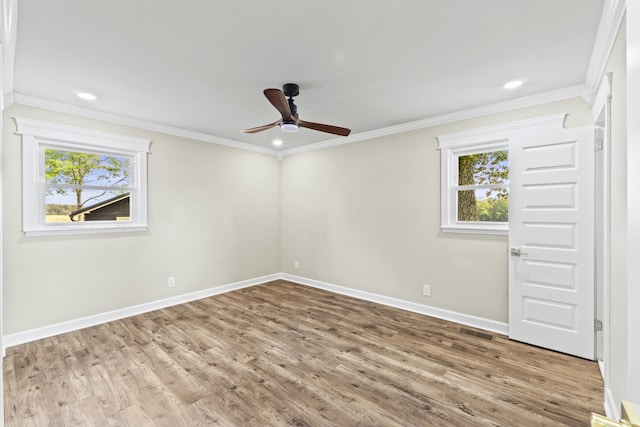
column 96, row 319
column 452, row 316
column 610, row 407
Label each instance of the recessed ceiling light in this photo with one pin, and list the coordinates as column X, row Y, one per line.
column 277, row 142
column 513, row 84
column 87, row 96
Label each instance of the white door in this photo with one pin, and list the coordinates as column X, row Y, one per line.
column 551, row 234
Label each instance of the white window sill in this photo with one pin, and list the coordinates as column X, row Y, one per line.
column 83, row 229
column 499, row 230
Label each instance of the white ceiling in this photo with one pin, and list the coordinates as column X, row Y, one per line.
column 201, row 65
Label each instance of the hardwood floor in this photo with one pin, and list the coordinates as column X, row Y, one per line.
column 287, row 354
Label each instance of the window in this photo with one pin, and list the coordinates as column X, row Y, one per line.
column 81, row 181
column 483, row 186
column 475, row 174
column 476, row 197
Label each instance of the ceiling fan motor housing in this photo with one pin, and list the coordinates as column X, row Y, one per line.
column 290, row 90
column 283, row 102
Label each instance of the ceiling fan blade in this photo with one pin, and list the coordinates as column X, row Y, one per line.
column 278, row 100
column 336, row 130
column 261, row 128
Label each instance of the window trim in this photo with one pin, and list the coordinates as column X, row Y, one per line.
column 449, row 163
column 38, row 134
column 492, row 138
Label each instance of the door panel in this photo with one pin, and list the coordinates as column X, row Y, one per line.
column 549, row 274
column 545, row 312
column 549, row 196
column 549, row 157
column 551, row 285
column 546, row 235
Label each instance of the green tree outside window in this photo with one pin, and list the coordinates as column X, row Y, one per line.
column 488, row 174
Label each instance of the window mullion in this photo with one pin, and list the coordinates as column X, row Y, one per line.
column 87, row 187
column 480, row 187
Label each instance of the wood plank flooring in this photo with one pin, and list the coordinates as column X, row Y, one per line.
column 283, row 354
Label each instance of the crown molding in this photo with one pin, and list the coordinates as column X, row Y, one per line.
column 514, row 104
column 499, row 107
column 36, row 102
column 613, row 11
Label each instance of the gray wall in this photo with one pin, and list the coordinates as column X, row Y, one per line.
column 367, row 216
column 213, row 220
column 364, row 215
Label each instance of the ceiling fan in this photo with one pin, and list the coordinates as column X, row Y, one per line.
column 289, row 111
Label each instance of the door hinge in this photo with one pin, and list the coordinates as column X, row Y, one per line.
column 597, row 325
column 598, row 145
column 598, row 139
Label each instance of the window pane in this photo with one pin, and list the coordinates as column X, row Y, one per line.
column 483, row 205
column 467, row 206
column 491, row 167
column 66, row 205
column 82, row 168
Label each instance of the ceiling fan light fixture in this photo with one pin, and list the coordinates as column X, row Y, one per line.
column 289, row 126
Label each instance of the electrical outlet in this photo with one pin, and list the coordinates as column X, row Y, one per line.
column 426, row 290
column 171, row 282
column 296, row 265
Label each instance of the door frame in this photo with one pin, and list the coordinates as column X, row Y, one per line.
column 601, row 111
